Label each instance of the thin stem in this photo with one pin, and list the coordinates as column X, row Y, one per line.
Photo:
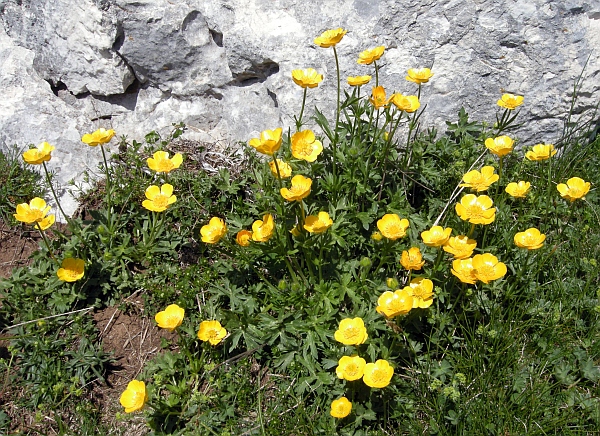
column 54, row 193
column 299, row 120
column 337, row 120
column 108, row 192
column 47, row 243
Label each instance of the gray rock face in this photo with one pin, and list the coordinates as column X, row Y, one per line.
column 223, row 67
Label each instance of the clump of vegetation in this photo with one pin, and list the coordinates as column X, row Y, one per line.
column 393, row 281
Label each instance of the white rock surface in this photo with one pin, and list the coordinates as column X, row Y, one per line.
column 223, row 67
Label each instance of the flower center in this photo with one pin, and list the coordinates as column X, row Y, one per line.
column 474, row 211
column 161, row 201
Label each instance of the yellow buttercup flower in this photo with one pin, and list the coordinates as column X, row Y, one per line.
column 419, row 76
column 391, row 304
column 211, row 331
column 406, row 103
column 99, row 137
column 575, row 189
column 518, row 190
column 476, row 209
column 39, row 154
column 463, row 270
column 350, row 368
column 378, row 374
column 161, row 163
column 378, row 98
column 213, row 231
column 305, row 146
column 367, row 57
column 36, row 212
column 461, row 247
column 541, row 152
column 243, row 237
column 159, row 199
column 422, row 292
column 318, row 224
column 170, row 318
column 532, row 239
column 285, row 170
column 300, row 188
column 412, row 259
column 358, row 80
column 486, row 267
column 436, row 236
column 269, row 141
column 262, row 230
column 351, row 331
column 340, row 408
column 308, row 78
column 134, row 397
column 500, row 145
column 71, row 270
column 377, row 236
column 392, row 227
column 480, row 181
column 510, row 101
column 330, row 38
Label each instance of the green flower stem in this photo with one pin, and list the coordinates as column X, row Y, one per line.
column 471, row 230
column 299, row 120
column 438, row 259
column 47, row 244
column 55, row 196
column 385, row 155
column 376, row 73
column 108, row 194
column 548, row 194
column 337, row 120
column 386, row 248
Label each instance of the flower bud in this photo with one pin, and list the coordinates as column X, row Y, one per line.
column 365, row 262
column 392, row 283
column 282, row 285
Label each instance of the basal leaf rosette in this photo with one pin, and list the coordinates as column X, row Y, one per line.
column 531, row 239
column 510, row 101
column 476, row 209
column 350, row 368
column 575, row 189
column 351, row 331
column 461, row 247
column 134, row 397
column 518, row 189
column 369, row 56
column 436, row 236
column 480, row 180
column 392, row 226
column 412, row 259
column 99, row 137
column 305, row 146
column 161, row 163
column 39, row 154
column 170, row 318
column 378, row 374
column 330, row 38
column 419, row 75
column 268, row 142
column 340, row 408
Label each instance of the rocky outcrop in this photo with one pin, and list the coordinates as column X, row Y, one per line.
column 223, row 67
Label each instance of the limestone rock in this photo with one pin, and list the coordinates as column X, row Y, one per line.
column 223, row 67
